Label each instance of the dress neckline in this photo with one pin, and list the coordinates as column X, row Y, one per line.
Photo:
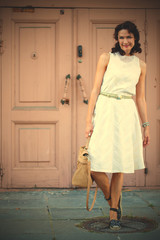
column 126, row 58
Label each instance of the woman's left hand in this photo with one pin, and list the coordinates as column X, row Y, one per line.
column 146, row 137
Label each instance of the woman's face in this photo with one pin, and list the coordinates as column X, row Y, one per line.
column 126, row 41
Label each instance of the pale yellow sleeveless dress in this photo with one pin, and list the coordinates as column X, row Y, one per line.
column 116, row 144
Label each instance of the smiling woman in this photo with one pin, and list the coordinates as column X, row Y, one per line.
column 116, row 144
column 127, row 39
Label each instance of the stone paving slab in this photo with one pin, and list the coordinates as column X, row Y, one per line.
column 29, row 236
column 22, row 203
column 24, row 227
column 157, row 210
column 152, row 198
column 131, row 199
column 74, row 213
column 74, row 199
column 23, row 214
column 22, row 195
column 154, row 235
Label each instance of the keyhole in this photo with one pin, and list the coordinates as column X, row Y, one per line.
column 34, row 55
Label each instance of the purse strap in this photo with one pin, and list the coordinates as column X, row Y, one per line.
column 87, row 142
column 88, row 186
column 88, row 190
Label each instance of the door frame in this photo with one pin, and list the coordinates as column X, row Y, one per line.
column 153, row 96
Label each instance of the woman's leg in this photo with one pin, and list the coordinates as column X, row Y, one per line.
column 102, row 181
column 116, row 188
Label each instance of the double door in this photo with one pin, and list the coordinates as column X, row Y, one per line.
column 40, row 135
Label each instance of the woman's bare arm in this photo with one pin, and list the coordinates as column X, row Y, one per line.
column 141, row 102
column 101, row 68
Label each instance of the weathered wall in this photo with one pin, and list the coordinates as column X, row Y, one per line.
column 84, row 3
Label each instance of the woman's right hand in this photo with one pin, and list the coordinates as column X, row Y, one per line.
column 89, row 129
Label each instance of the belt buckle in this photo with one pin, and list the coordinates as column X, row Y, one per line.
column 119, row 97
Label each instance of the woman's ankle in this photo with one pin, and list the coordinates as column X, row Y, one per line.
column 108, row 199
column 113, row 215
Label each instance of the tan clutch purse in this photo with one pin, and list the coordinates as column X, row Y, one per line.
column 82, row 175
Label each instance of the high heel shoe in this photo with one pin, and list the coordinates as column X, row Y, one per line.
column 114, row 224
column 119, row 210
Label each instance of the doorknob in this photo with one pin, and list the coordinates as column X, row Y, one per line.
column 65, row 100
column 85, row 99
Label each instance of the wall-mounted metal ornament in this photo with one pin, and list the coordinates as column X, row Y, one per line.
column 81, row 83
column 65, row 100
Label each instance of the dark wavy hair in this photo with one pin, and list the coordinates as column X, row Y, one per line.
column 132, row 28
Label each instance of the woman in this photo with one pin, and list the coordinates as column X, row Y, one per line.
column 116, row 144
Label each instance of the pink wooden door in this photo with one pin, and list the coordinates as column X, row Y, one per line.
column 153, row 96
column 36, row 127
column 96, row 38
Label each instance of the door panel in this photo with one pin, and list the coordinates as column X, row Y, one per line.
column 35, row 61
column 153, row 96
column 36, row 129
column 96, row 38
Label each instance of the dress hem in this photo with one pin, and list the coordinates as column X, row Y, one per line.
column 118, row 171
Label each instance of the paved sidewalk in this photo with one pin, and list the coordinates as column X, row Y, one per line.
column 54, row 214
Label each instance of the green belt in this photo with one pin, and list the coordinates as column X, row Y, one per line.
column 117, row 96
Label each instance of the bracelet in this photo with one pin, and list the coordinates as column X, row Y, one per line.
column 145, row 124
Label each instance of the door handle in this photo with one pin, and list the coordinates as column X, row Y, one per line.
column 85, row 99
column 65, row 100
